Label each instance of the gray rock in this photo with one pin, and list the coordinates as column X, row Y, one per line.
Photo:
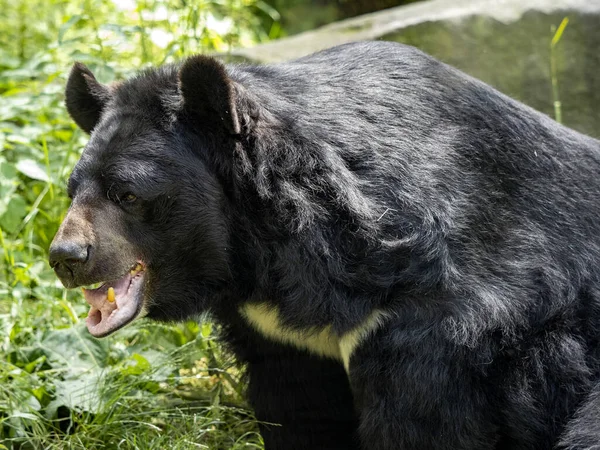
column 505, row 43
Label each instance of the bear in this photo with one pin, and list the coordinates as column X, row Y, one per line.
column 399, row 255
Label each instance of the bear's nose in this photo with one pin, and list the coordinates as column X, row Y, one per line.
column 68, row 254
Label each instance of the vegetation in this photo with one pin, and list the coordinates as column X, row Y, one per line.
column 150, row 386
column 557, row 34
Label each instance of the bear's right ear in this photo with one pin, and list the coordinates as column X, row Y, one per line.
column 85, row 97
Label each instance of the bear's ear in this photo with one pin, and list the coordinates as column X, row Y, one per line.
column 85, row 97
column 208, row 91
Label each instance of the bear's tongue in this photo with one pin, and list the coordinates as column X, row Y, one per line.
column 112, row 310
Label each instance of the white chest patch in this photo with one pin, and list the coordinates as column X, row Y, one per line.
column 320, row 341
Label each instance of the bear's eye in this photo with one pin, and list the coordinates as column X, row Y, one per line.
column 128, row 198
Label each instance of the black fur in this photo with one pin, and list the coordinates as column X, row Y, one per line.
column 369, row 176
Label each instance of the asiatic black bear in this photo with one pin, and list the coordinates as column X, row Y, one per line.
column 401, row 256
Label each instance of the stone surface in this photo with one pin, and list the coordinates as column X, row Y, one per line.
column 505, row 43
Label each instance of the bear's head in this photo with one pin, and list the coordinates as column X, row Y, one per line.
column 149, row 212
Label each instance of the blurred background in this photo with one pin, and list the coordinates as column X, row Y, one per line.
column 153, row 386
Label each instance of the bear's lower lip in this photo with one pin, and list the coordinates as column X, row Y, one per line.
column 115, row 303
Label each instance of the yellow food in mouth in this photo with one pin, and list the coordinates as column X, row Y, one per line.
column 136, row 269
column 110, row 295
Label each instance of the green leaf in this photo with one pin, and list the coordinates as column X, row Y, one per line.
column 24, row 415
column 15, row 211
column 34, row 364
column 8, row 61
column 32, row 169
column 137, row 365
column 81, row 393
column 103, row 72
column 206, row 329
column 269, row 10
column 75, row 348
column 73, row 20
column 559, row 32
column 7, row 171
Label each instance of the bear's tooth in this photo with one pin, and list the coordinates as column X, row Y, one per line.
column 110, row 295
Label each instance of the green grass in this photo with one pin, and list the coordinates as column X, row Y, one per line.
column 149, row 386
column 557, row 35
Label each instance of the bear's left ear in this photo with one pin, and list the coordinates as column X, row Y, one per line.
column 208, row 91
column 85, row 97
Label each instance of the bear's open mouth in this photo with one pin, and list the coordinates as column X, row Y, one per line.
column 115, row 303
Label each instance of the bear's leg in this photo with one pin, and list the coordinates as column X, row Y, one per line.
column 307, row 399
column 414, row 391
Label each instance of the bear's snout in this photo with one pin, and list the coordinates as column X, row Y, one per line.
column 67, row 257
column 72, row 250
